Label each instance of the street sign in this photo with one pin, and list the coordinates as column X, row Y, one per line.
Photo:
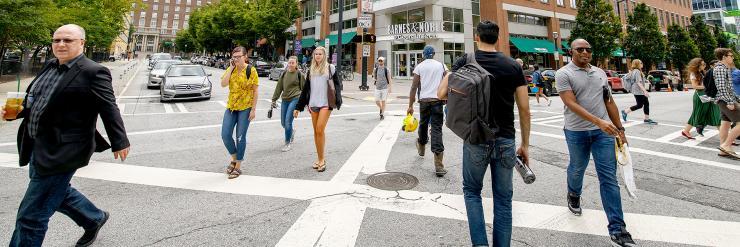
column 298, row 46
column 326, row 43
column 365, row 50
column 367, row 5
column 365, row 21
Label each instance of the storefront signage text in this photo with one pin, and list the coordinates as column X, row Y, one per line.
column 416, row 30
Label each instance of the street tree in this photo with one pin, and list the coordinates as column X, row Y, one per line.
column 644, row 40
column 25, row 24
column 271, row 18
column 184, row 42
column 703, row 38
column 723, row 40
column 681, row 48
column 599, row 26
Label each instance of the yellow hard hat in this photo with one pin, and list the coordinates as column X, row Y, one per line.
column 410, row 123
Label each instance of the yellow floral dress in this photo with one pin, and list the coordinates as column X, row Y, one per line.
column 241, row 89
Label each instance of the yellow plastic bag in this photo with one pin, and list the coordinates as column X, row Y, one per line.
column 410, row 123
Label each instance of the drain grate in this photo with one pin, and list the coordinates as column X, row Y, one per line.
column 392, row 181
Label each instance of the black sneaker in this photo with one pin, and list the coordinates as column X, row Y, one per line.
column 90, row 235
column 622, row 239
column 574, row 204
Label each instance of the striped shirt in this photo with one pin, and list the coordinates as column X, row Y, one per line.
column 41, row 91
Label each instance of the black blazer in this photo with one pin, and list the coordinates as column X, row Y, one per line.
column 66, row 137
column 306, row 92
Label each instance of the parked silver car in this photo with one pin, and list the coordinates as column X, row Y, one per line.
column 278, row 70
column 156, row 74
column 185, row 81
column 158, row 56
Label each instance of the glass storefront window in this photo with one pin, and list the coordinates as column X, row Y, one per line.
column 411, row 16
column 416, row 15
column 416, row 46
column 452, row 52
column 453, row 20
column 399, row 18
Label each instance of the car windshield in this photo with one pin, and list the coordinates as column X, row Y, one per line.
column 186, row 71
column 162, row 57
column 163, row 64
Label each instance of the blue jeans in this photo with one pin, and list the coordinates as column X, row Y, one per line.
column 582, row 144
column 240, row 120
column 501, row 156
column 44, row 196
column 286, row 117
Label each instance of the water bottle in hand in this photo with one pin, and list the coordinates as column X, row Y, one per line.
column 524, row 171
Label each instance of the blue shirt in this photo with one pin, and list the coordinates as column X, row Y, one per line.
column 736, row 80
column 536, row 77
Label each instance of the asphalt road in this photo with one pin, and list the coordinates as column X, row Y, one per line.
column 171, row 191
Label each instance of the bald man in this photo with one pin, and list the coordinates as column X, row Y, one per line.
column 57, row 136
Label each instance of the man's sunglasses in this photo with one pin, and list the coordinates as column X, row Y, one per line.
column 582, row 49
column 66, row 41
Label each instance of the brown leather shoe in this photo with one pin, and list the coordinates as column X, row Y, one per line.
column 439, row 167
column 420, row 148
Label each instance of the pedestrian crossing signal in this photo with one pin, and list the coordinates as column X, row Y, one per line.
column 367, row 38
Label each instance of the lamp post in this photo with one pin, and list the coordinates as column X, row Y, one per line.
column 622, row 28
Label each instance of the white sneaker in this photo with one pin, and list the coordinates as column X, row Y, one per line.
column 286, row 148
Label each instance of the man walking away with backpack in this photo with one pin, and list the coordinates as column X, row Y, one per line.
column 507, row 84
column 539, row 82
column 591, row 125
column 427, row 76
column 728, row 102
column 382, row 84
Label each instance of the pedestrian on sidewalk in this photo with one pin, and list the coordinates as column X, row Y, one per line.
column 703, row 114
column 728, row 101
column 427, row 76
column 641, row 94
column 243, row 83
column 322, row 94
column 591, row 125
column 382, row 76
column 510, row 86
column 539, row 82
column 57, row 136
column 289, row 85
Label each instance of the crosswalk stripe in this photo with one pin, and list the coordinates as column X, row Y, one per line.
column 122, row 108
column 670, row 136
column 221, row 102
column 181, row 107
column 547, row 118
column 631, row 123
column 699, row 139
column 439, row 205
column 168, row 108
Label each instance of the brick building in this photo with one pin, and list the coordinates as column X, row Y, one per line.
column 159, row 22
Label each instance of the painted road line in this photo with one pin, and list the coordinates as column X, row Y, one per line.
column 327, row 195
column 699, row 139
column 372, row 154
column 553, row 121
column 670, row 136
column 138, row 96
column 129, row 81
column 221, row 102
column 326, row 222
column 168, row 108
column 7, row 144
column 181, row 108
column 121, row 108
column 631, row 123
column 547, row 118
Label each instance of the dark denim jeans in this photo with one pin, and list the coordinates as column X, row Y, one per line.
column 582, row 144
column 501, row 156
column 286, row 117
column 431, row 113
column 44, row 196
column 240, row 120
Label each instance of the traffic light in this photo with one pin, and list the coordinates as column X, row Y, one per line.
column 369, row 38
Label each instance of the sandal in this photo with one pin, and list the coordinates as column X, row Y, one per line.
column 322, row 167
column 315, row 165
column 230, row 167
column 235, row 173
column 730, row 153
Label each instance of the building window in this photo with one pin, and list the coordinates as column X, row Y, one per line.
column 405, row 17
column 544, row 1
column 164, row 23
column 166, row 8
column 165, row 16
column 452, row 52
column 174, row 31
column 175, row 25
column 185, row 25
column 350, row 4
column 573, row 4
column 660, row 15
column 187, row 17
column 561, row 3
column 177, row 16
column 566, row 24
column 526, row 19
column 163, row 31
column 308, row 31
column 155, row 7
column 334, row 7
column 309, row 9
column 166, row 1
column 476, row 13
column 153, row 22
column 141, row 21
column 177, row 8
column 187, row 9
column 351, row 23
column 453, row 20
column 198, row 3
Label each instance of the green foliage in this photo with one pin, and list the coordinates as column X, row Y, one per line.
column 184, row 41
column 703, row 38
column 723, row 41
column 599, row 26
column 644, row 40
column 24, row 23
column 681, row 47
column 102, row 19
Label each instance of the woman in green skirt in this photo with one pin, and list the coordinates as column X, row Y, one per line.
column 703, row 114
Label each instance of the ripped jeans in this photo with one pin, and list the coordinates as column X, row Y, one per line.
column 240, row 120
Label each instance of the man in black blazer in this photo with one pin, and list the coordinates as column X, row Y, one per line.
column 57, row 136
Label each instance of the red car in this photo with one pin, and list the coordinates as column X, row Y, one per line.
column 615, row 82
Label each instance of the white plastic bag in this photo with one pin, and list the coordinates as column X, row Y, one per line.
column 624, row 159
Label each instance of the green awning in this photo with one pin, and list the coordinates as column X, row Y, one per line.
column 307, row 42
column 618, row 53
column 346, row 38
column 565, row 45
column 533, row 45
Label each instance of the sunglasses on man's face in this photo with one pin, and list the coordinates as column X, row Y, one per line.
column 66, row 41
column 584, row 49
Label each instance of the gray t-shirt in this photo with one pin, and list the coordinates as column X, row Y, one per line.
column 381, row 77
column 319, row 87
column 588, row 88
column 638, row 78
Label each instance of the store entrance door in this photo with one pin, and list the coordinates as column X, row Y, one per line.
column 405, row 62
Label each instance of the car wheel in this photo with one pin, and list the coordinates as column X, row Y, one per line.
column 547, row 89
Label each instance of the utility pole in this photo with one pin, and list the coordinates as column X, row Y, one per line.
column 340, row 26
column 622, row 28
column 364, row 86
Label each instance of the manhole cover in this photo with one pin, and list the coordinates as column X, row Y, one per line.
column 392, row 181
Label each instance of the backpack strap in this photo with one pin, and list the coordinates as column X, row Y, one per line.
column 470, row 58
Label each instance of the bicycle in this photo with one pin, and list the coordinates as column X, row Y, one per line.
column 347, row 74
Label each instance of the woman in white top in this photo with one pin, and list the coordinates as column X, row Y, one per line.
column 321, row 94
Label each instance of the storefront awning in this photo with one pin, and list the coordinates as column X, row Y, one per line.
column 307, row 42
column 533, row 45
column 565, row 45
column 346, row 38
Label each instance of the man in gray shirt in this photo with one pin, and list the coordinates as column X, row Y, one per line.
column 591, row 124
column 382, row 84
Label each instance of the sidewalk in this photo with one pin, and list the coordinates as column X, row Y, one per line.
column 399, row 90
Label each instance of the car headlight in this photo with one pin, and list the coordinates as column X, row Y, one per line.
column 169, row 86
column 206, row 84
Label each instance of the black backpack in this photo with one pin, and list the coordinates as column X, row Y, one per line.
column 710, row 88
column 248, row 70
column 468, row 103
